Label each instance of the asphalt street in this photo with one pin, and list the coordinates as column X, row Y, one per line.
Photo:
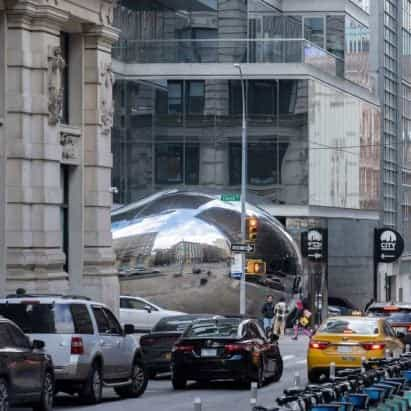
column 160, row 395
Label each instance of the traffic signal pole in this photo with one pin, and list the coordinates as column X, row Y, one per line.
column 243, row 297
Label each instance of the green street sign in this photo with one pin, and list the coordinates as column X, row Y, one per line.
column 230, row 197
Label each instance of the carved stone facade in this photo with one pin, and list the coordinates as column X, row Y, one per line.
column 56, row 113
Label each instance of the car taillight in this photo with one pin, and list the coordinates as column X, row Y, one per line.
column 232, row 348
column 77, row 347
column 319, row 345
column 183, row 348
column 373, row 346
column 409, row 329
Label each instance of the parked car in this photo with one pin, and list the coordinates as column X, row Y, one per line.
column 143, row 314
column 397, row 314
column 88, row 346
column 156, row 347
column 346, row 340
column 26, row 372
column 225, row 349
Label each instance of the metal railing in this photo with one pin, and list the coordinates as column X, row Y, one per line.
column 228, row 51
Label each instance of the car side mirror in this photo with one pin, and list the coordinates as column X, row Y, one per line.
column 274, row 338
column 148, row 308
column 38, row 345
column 129, row 329
column 399, row 334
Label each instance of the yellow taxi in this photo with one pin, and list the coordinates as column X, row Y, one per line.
column 346, row 340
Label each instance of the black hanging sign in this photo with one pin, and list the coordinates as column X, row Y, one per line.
column 315, row 244
column 388, row 245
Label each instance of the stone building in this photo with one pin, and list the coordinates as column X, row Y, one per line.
column 56, row 115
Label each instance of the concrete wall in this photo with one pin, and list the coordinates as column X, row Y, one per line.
column 350, row 259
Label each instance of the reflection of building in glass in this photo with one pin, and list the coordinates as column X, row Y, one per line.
column 313, row 116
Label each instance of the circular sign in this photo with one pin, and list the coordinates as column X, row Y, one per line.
column 389, row 245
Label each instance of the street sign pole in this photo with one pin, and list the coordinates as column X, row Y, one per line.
column 243, row 192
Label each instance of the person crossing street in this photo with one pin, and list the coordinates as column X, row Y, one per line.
column 268, row 314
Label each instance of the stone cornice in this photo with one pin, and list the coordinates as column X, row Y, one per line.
column 104, row 35
column 29, row 13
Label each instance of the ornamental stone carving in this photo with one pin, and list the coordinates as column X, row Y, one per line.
column 70, row 140
column 106, row 105
column 56, row 65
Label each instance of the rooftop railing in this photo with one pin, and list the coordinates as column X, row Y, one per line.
column 228, row 51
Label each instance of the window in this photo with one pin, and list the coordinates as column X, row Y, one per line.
column 314, row 30
column 5, row 337
column 32, row 318
column 18, row 338
column 170, row 160
column 264, row 163
column 81, row 318
column 175, row 97
column 101, row 320
column 64, row 181
column 132, row 304
column 195, row 97
column 63, row 319
column 114, row 325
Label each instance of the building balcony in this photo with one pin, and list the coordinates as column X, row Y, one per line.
column 256, row 51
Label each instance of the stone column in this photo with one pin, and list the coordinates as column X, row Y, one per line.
column 34, row 256
column 3, row 151
column 99, row 277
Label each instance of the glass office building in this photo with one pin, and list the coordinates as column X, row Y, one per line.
column 314, row 118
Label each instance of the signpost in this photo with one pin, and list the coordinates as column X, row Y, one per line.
column 315, row 244
column 388, row 245
column 388, row 248
column 230, row 197
column 242, row 248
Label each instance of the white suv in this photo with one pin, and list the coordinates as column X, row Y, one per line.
column 143, row 314
column 88, row 346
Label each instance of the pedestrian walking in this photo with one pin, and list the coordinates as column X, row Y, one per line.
column 280, row 313
column 268, row 313
column 302, row 321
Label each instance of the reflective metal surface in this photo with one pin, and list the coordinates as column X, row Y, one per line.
column 174, row 247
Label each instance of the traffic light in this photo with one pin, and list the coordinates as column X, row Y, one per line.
column 256, row 267
column 252, row 229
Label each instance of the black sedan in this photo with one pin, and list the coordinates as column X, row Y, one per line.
column 225, row 349
column 26, row 372
column 156, row 347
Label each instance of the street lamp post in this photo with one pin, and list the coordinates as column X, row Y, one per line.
column 243, row 300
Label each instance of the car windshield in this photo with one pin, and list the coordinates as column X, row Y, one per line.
column 35, row 318
column 349, row 326
column 223, row 328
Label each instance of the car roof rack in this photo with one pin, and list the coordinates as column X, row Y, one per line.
column 64, row 296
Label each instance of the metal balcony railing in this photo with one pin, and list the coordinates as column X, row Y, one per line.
column 228, row 51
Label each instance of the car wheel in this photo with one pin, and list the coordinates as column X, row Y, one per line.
column 47, row 394
column 93, row 391
column 138, row 385
column 279, row 369
column 4, row 395
column 179, row 382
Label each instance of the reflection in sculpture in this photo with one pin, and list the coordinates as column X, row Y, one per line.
column 56, row 65
column 174, row 248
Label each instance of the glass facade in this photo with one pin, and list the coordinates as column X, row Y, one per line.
column 187, row 134
column 170, row 134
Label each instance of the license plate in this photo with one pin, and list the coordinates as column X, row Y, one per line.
column 344, row 349
column 167, row 356
column 208, row 353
